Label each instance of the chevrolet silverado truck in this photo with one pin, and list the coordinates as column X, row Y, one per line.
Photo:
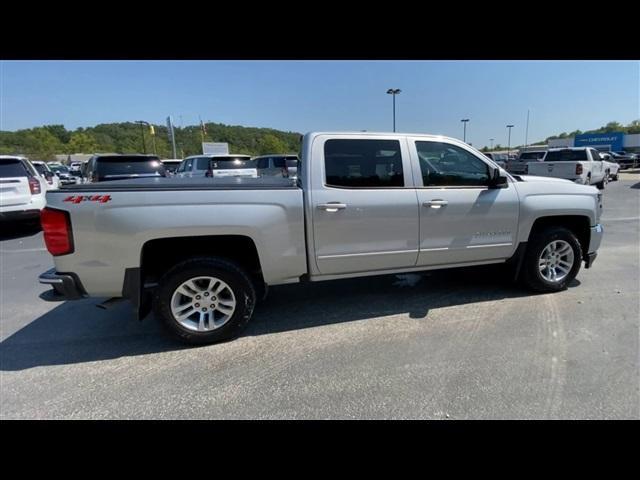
column 200, row 252
column 580, row 165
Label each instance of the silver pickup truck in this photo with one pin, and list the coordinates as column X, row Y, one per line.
column 201, row 251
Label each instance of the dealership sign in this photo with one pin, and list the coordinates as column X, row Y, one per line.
column 218, row 148
column 613, row 139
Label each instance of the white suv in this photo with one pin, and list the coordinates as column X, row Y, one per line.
column 22, row 189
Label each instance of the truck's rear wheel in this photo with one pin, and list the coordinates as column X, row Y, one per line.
column 552, row 259
column 205, row 300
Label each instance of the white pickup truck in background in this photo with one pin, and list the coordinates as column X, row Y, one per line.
column 581, row 165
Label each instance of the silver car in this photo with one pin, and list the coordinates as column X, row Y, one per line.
column 217, row 166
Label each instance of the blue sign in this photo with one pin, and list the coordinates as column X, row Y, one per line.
column 600, row 140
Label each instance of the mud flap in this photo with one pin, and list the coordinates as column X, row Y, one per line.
column 133, row 290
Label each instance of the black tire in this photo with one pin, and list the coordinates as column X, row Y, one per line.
column 614, row 177
column 537, row 242
column 600, row 185
column 227, row 271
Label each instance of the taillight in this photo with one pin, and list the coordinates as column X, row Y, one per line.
column 579, row 169
column 56, row 226
column 34, row 186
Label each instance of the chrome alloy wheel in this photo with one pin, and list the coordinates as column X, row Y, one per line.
column 203, row 304
column 556, row 261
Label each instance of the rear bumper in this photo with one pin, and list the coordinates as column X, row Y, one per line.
column 12, row 215
column 66, row 285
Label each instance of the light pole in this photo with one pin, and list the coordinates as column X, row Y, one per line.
column 509, row 141
column 393, row 92
column 153, row 136
column 491, row 140
column 142, row 124
column 464, row 135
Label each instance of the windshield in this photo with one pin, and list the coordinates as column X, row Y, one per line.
column 566, row 156
column 230, row 163
column 129, row 166
column 531, row 155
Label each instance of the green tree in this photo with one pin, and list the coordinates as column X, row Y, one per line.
column 271, row 144
column 634, row 127
column 82, row 143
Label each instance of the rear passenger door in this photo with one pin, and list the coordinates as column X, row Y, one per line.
column 365, row 210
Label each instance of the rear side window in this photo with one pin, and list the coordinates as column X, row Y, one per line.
column 279, row 162
column 363, row 163
column 292, row 163
column 12, row 168
column 566, row 156
column 263, row 163
column 202, row 163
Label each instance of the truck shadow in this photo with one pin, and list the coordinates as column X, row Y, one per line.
column 78, row 332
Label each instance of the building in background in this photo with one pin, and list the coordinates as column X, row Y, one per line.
column 606, row 142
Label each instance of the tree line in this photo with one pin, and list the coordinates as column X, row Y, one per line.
column 43, row 143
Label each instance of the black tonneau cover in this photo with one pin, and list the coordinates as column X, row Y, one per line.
column 176, row 183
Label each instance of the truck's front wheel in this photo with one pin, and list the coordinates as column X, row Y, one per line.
column 205, row 300
column 552, row 259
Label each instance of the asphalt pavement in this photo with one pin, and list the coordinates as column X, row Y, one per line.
column 456, row 344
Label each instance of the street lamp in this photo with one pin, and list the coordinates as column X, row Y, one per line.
column 491, row 140
column 142, row 123
column 509, row 141
column 393, row 92
column 464, row 135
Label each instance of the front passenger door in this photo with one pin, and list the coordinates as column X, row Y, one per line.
column 462, row 219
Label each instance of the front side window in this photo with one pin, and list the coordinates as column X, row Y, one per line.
column 202, row 163
column 446, row 165
column 363, row 163
column 263, row 163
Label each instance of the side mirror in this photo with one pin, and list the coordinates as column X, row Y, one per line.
column 496, row 179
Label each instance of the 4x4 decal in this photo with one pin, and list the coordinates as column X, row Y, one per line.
column 89, row 198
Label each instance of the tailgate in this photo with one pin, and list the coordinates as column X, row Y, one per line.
column 14, row 191
column 553, row 169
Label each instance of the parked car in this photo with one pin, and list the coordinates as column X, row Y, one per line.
column 365, row 204
column 171, row 165
column 579, row 164
column 611, row 168
column 217, row 166
column 101, row 168
column 625, row 160
column 22, row 189
column 75, row 168
column 277, row 165
column 500, row 158
column 519, row 165
column 52, row 181
column 63, row 173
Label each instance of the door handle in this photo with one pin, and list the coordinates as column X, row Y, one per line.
column 332, row 207
column 435, row 203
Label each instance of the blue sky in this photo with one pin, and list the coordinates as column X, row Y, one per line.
column 327, row 95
